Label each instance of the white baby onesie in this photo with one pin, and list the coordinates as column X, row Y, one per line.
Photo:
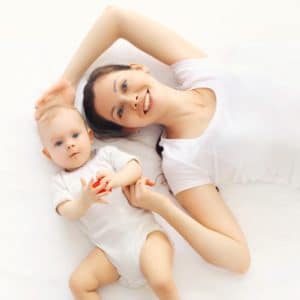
column 253, row 136
column 119, row 229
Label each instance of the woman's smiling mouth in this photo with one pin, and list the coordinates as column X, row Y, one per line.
column 147, row 102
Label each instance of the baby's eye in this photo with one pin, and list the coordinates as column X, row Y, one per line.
column 124, row 86
column 75, row 135
column 58, row 143
column 120, row 111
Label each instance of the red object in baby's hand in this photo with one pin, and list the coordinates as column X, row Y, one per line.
column 96, row 183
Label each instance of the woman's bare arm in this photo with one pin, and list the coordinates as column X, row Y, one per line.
column 146, row 34
column 216, row 234
column 115, row 23
column 207, row 225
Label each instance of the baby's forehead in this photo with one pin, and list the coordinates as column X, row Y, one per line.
column 63, row 116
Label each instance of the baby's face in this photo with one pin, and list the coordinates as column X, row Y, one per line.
column 66, row 139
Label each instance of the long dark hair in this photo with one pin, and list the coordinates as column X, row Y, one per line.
column 101, row 127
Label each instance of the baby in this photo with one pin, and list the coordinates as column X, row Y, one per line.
column 129, row 245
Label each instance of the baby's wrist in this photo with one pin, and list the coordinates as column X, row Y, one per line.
column 117, row 181
column 85, row 202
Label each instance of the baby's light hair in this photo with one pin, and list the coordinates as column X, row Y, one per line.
column 51, row 112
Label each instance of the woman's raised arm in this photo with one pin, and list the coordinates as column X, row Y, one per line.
column 144, row 33
column 114, row 23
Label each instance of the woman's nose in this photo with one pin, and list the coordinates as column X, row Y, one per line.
column 135, row 102
column 132, row 100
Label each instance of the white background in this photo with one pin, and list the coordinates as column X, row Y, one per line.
column 38, row 250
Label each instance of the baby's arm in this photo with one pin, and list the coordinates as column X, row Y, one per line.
column 75, row 209
column 127, row 175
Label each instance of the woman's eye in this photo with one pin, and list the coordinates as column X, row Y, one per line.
column 58, row 143
column 124, row 86
column 75, row 135
column 120, row 111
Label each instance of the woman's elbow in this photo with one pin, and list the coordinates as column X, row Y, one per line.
column 237, row 262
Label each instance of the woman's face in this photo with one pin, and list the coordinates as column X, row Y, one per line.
column 128, row 97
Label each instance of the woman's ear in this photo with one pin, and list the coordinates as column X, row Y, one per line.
column 46, row 153
column 139, row 67
column 91, row 135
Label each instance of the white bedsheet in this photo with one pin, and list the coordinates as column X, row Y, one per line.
column 40, row 249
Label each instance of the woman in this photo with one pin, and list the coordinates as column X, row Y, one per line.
column 131, row 98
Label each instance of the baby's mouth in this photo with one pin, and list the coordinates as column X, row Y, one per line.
column 74, row 154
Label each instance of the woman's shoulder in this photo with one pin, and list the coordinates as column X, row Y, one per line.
column 193, row 73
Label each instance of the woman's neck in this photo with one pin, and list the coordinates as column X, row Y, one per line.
column 189, row 112
column 184, row 108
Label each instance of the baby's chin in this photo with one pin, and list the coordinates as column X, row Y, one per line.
column 74, row 165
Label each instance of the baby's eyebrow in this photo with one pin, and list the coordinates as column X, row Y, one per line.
column 55, row 138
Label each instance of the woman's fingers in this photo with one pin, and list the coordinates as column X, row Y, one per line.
column 125, row 190
column 54, row 89
column 129, row 192
column 61, row 92
column 41, row 109
column 149, row 182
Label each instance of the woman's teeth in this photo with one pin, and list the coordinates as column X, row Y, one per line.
column 146, row 103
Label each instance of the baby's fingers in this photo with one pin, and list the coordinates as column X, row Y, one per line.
column 83, row 182
column 100, row 187
column 90, row 184
column 103, row 192
column 102, row 201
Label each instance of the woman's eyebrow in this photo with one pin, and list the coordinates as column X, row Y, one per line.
column 115, row 85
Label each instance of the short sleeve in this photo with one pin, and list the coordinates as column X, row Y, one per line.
column 197, row 73
column 115, row 157
column 60, row 192
column 181, row 175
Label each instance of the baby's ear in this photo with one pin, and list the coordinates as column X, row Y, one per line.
column 46, row 153
column 91, row 134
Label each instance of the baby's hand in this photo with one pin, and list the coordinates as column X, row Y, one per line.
column 92, row 194
column 108, row 179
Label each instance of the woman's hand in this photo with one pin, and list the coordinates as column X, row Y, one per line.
column 62, row 92
column 141, row 196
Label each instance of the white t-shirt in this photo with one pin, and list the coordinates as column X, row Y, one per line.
column 253, row 136
column 104, row 224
